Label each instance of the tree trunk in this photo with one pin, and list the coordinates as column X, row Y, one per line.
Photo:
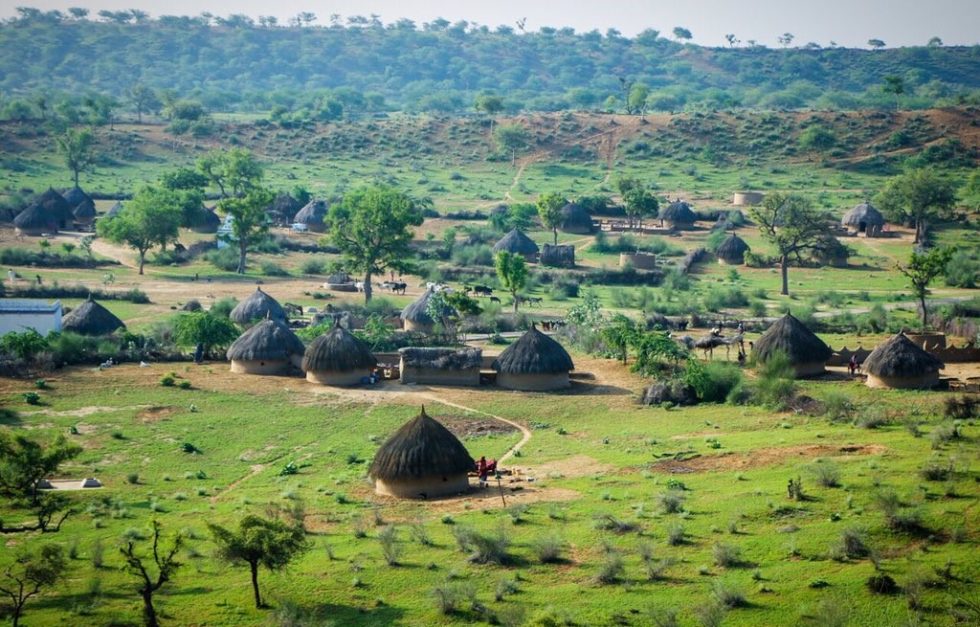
column 75, row 176
column 555, row 230
column 368, row 292
column 255, row 584
column 142, row 260
column 919, row 231
column 242, row 250
column 784, row 269
column 513, row 159
column 516, row 302
column 922, row 304
column 149, row 614
column 139, row 115
column 15, row 612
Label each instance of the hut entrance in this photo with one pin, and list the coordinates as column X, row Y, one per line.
column 862, row 227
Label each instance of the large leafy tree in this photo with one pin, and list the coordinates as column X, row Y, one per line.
column 491, row 104
column 205, row 328
column 163, row 562
column 258, row 542
column 143, row 99
column 151, row 218
column 188, row 187
column 918, row 197
column 512, row 272
column 77, row 147
column 23, row 463
column 921, row 270
column 549, row 210
column 248, row 219
column 30, row 572
column 372, row 229
column 512, row 138
column 234, row 172
column 793, row 227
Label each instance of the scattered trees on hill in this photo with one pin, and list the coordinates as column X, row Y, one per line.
column 682, row 33
column 30, row 572
column 918, row 197
column 371, row 227
column 151, row 218
column 163, row 561
column 921, row 270
column 25, row 462
column 512, row 138
column 490, row 104
column 512, row 271
column 258, row 542
column 549, row 210
column 793, row 226
column 76, row 146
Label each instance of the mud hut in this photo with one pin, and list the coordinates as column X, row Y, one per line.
column 269, row 347
column 312, row 215
column 35, row 221
column 535, row 362
column 282, row 209
column 84, row 213
column 517, row 243
column 206, row 221
column 337, row 358
column 864, row 218
column 55, row 206
column 91, row 318
column 678, row 215
column 416, row 317
column 422, row 460
column 576, row 219
column 441, row 366
column 807, row 353
column 257, row 306
column 899, row 363
column 560, row 256
column 75, row 196
column 732, row 250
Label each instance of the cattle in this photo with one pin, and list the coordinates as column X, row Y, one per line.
column 494, row 299
column 482, row 290
column 394, row 286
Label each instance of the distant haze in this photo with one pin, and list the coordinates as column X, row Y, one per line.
column 847, row 22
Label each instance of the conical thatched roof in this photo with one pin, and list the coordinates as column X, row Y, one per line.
column 516, row 242
column 901, row 357
column 75, row 196
column 732, row 248
column 337, row 351
column 283, row 207
column 55, row 205
column 206, row 221
column 268, row 340
column 34, row 218
column 534, row 353
column 863, row 213
column 575, row 217
column 789, row 335
column 418, row 311
column 312, row 214
column 257, row 306
column 421, row 448
column 114, row 210
column 85, row 210
column 678, row 212
column 91, row 318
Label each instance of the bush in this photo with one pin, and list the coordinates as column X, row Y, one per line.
column 675, row 535
column 222, row 307
column 311, row 266
column 880, row 583
column 547, row 549
column 726, row 555
column 775, row 385
column 712, row 381
column 483, row 548
column 935, row 471
column 852, row 544
column 32, row 398
column 223, row 259
column 729, row 596
column 270, row 268
column 944, row 434
column 963, row 270
column 961, row 407
column 451, row 598
column 837, row 406
column 827, row 474
column 671, row 502
column 611, row 569
column 167, row 381
column 390, row 548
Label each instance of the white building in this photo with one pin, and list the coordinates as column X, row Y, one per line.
column 19, row 315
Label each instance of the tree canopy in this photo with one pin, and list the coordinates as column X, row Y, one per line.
column 512, row 272
column 150, row 219
column 549, row 210
column 793, row 227
column 917, row 196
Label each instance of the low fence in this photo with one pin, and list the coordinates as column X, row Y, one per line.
column 948, row 355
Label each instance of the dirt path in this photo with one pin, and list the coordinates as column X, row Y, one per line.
column 525, row 432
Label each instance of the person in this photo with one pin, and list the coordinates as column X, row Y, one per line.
column 199, row 353
column 741, row 327
column 741, row 357
column 11, row 275
column 852, row 365
column 37, row 277
column 481, row 470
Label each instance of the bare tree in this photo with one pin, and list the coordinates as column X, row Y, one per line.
column 165, row 563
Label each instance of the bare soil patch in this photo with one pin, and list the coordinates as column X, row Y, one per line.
column 156, row 413
column 575, row 466
column 466, row 427
column 762, row 457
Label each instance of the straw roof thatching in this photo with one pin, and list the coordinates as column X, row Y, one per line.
column 534, row 353
column 312, row 214
column 732, row 248
column 283, row 208
column 192, row 305
column 678, row 212
column 516, row 242
column 36, row 218
column 790, row 336
column 75, row 196
column 901, row 357
column 339, row 278
column 420, row 448
column 418, row 311
column 206, row 221
column 85, row 210
column 55, row 205
column 269, row 340
column 864, row 213
column 91, row 318
column 114, row 210
column 337, row 351
column 257, row 306
column 442, row 358
column 575, row 217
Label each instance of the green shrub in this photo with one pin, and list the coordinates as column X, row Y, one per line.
column 712, row 381
column 775, row 384
column 168, row 381
column 311, row 266
column 184, row 385
column 611, row 569
column 547, row 549
column 826, row 473
column 32, row 398
column 726, row 555
column 222, row 307
column 223, row 258
column 270, row 268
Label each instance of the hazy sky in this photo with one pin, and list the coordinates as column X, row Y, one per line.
column 847, row 22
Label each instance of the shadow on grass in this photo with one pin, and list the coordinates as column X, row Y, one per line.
column 9, row 417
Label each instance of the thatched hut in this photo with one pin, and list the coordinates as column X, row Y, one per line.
column 91, row 318
column 900, row 363
column 34, row 220
column 206, row 221
column 832, row 252
column 55, row 206
column 282, row 209
column 517, row 243
column 678, row 215
column 576, row 219
column 422, row 460
column 807, row 353
column 441, row 366
column 312, row 215
column 75, row 196
column 114, row 210
column 84, row 212
column 535, row 362
column 337, row 358
column 269, row 347
column 257, row 306
column 864, row 218
column 732, row 250
column 560, row 256
column 416, row 316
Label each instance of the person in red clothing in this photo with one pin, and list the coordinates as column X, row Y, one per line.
column 482, row 470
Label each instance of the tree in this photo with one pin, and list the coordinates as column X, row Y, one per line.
column 152, row 217
column 512, row 271
column 917, row 196
column 618, row 335
column 921, row 270
column 371, row 229
column 817, row 138
column 448, row 308
column 549, row 210
column 208, row 329
column 731, row 39
column 894, row 85
column 29, row 573
column 491, row 105
column 234, row 171
column 682, row 33
column 165, row 563
column 793, row 227
column 512, row 137
column 639, row 202
column 636, row 99
column 260, row 542
column 188, row 188
column 248, row 219
column 935, row 42
column 23, row 463
column 76, row 146
column 877, row 44
column 785, row 39
column 143, row 99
